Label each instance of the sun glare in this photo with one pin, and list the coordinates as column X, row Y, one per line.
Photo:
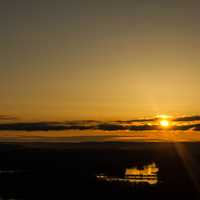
column 163, row 116
column 164, row 123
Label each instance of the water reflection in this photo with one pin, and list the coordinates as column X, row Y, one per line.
column 135, row 175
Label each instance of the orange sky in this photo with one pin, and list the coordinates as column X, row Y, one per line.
column 99, row 60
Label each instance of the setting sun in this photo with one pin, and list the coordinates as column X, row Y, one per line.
column 164, row 123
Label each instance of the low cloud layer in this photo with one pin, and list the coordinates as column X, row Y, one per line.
column 190, row 123
column 187, row 119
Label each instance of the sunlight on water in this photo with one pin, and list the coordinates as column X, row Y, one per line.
column 147, row 174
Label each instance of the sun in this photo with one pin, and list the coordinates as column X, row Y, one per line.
column 164, row 123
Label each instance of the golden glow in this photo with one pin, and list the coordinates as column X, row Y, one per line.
column 164, row 120
column 163, row 116
column 164, row 123
column 147, row 174
column 148, row 170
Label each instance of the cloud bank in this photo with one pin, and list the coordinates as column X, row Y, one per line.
column 151, row 124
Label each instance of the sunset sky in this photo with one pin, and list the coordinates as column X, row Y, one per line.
column 66, row 60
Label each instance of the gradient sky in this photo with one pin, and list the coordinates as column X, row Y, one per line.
column 99, row 59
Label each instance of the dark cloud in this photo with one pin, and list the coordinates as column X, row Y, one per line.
column 111, row 127
column 41, row 126
column 34, row 126
column 187, row 118
column 184, row 127
column 143, row 128
column 197, row 127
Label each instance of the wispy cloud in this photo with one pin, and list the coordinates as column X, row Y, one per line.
column 138, row 120
column 7, row 118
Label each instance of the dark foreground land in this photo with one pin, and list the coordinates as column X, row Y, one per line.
column 66, row 171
